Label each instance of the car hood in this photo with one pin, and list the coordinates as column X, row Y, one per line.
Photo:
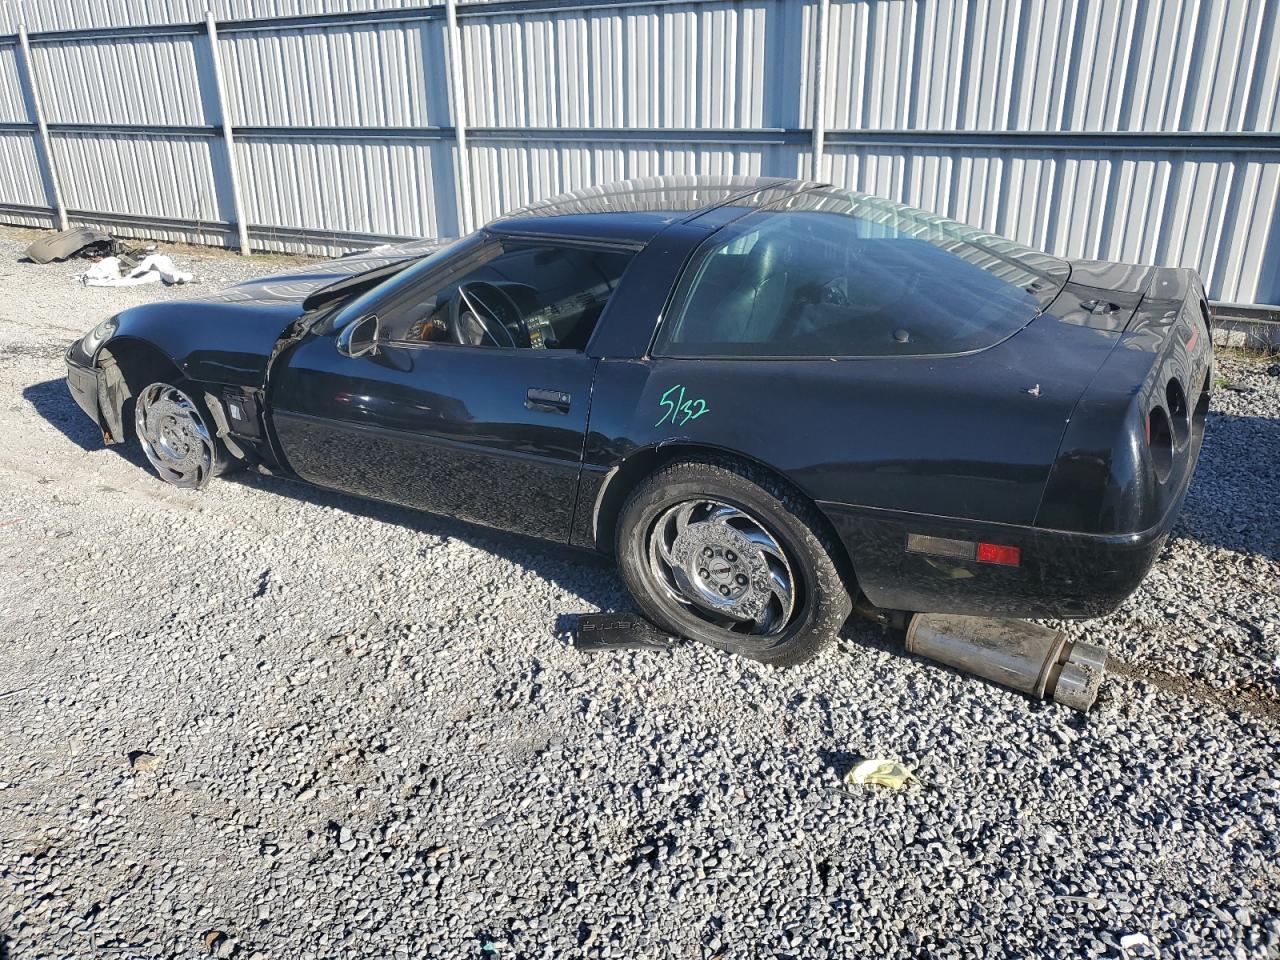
column 228, row 336
column 294, row 286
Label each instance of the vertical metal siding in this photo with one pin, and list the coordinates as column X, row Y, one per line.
column 702, row 66
column 1157, row 65
column 115, row 81
column 13, row 106
column 1160, row 67
column 19, row 172
column 272, row 9
column 363, row 76
column 1136, row 207
column 43, row 15
column 163, row 177
column 389, row 188
column 23, row 198
column 1091, row 128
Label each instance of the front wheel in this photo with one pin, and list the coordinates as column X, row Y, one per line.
column 173, row 428
column 721, row 552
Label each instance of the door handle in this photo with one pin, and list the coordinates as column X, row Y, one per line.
column 550, row 401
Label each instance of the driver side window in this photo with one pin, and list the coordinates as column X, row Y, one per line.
column 512, row 294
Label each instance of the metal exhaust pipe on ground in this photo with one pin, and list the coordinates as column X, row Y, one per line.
column 1030, row 658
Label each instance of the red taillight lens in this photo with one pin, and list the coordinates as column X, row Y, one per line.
column 997, row 553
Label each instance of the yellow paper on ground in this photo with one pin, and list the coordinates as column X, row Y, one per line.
column 882, row 773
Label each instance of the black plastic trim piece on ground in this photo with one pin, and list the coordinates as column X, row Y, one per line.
column 597, row 632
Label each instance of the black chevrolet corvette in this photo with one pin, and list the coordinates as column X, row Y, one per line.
column 762, row 396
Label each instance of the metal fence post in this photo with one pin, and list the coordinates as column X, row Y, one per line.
column 220, row 97
column 458, row 111
column 819, row 88
column 45, row 152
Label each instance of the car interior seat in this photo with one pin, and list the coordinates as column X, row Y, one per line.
column 753, row 307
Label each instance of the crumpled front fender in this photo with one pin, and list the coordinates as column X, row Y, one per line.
column 113, row 391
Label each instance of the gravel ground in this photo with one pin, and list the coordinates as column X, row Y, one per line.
column 269, row 721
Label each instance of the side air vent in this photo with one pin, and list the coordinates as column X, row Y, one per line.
column 1160, row 442
column 1179, row 417
column 1202, row 403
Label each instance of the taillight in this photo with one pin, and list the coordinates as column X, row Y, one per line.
column 998, row 553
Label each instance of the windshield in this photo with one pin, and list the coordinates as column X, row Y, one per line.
column 401, row 278
column 833, row 273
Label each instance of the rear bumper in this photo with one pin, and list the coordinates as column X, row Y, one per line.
column 82, row 382
column 1061, row 575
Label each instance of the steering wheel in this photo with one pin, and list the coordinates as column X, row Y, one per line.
column 475, row 297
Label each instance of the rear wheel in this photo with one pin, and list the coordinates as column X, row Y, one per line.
column 721, row 552
column 173, row 427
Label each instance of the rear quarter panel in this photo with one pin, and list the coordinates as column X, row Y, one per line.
column 970, row 436
column 1104, row 481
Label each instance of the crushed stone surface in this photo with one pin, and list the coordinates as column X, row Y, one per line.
column 269, row 721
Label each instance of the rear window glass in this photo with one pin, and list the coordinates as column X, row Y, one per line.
column 833, row 273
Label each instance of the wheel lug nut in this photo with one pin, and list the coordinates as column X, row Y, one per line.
column 703, row 573
column 742, row 581
column 730, row 556
column 724, row 590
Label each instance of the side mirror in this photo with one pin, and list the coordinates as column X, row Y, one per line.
column 360, row 336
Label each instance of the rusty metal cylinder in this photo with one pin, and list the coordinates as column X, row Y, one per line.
column 1030, row 658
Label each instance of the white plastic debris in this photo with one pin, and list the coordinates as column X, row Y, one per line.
column 107, row 272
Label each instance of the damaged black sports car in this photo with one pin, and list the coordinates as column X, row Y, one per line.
column 762, row 396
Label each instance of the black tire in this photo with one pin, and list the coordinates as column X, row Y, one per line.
column 821, row 598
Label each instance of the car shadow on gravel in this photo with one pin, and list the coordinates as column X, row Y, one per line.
column 1237, row 483
column 581, row 572
column 590, row 577
column 52, row 401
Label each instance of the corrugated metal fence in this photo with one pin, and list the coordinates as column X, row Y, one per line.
column 1144, row 130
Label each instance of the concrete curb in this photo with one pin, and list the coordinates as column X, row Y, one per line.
column 1246, row 333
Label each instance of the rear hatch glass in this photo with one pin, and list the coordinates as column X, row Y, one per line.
column 833, row 273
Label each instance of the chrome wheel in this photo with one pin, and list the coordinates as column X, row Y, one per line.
column 722, row 564
column 174, row 436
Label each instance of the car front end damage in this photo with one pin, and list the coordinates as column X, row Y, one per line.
column 96, row 383
column 82, row 383
column 224, row 338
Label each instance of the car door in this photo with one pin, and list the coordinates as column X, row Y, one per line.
column 488, row 432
